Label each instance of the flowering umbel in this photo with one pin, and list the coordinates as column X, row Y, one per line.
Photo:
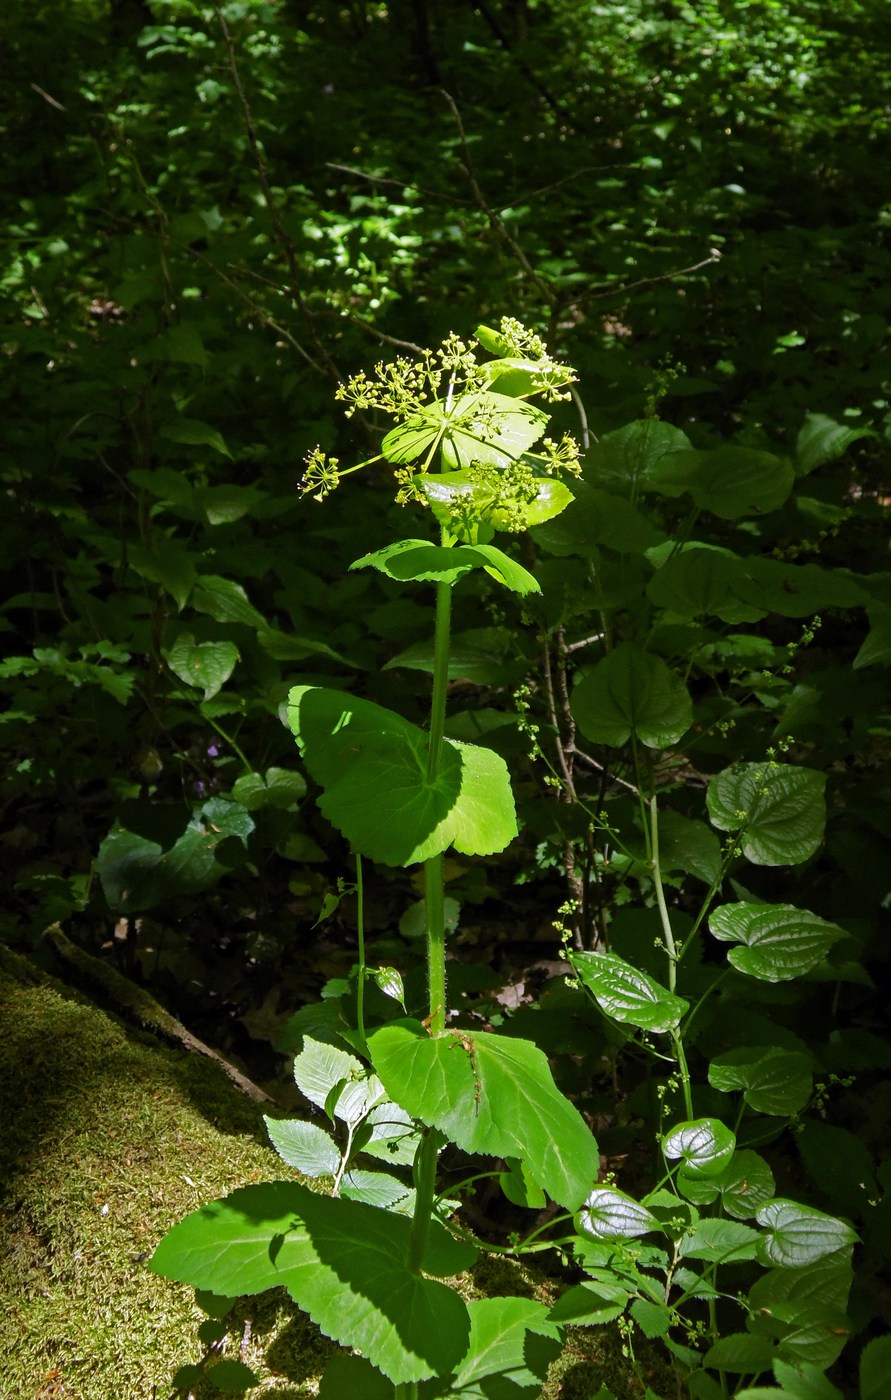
column 479, row 417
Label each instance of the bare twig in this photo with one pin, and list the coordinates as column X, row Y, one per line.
column 46, row 97
column 545, row 93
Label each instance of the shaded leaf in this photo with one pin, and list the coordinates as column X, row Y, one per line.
column 780, row 941
column 631, row 691
column 773, row 1080
column 778, row 808
column 797, row 1235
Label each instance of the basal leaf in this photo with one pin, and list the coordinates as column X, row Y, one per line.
column 342, row 1262
column 779, row 809
column 610, row 1214
column 822, row 440
column 372, row 765
column 780, row 941
column 627, row 994
column 352, row 1377
column 796, row 1235
column 493, row 1095
column 631, row 691
column 703, row 1145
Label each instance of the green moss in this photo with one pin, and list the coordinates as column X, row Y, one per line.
column 106, row 1143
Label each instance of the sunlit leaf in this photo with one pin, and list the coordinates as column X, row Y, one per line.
column 703, row 1145
column 626, row 993
column 780, row 941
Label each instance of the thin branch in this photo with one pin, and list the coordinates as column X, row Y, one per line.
column 46, row 97
column 496, row 223
column 714, row 256
column 545, row 93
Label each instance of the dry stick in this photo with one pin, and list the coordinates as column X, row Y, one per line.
column 568, row 795
column 284, row 242
column 496, row 223
column 714, row 256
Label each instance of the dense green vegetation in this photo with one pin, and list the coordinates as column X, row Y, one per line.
column 220, row 214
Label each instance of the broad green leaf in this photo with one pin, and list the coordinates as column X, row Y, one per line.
column 169, row 562
column 501, row 1330
column 627, row 994
column 630, row 691
column 780, row 941
column 183, row 345
column 372, row 765
column 342, row 1262
column 822, row 440
column 774, row 1081
column 804, row 1382
column 493, row 1095
column 703, row 1145
column 207, row 665
column 796, row 1236
column 794, row 590
column 804, row 1308
column 875, row 1368
column 476, row 655
column 519, row 1187
column 740, row 1353
column 688, row 845
column 653, row 1319
column 392, row 1135
column 224, row 504
column 839, row 1164
column 304, row 1146
column 699, row 582
column 321, row 1070
column 778, row 808
column 196, row 434
column 745, row 1184
column 731, row 482
column 378, row 1189
column 876, row 648
column 595, row 518
column 591, row 1304
column 123, row 862
column 225, row 601
column 625, row 458
column 278, row 788
column 459, row 495
column 433, row 563
column 610, row 1214
column 719, row 1242
column 490, row 428
column 389, row 981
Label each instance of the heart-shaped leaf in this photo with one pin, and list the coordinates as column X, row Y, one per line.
column 796, row 1235
column 821, row 440
column 493, row 1095
column 779, row 809
column 593, row 518
column 207, row 665
column 773, row 1080
column 626, row 993
column 630, row 691
column 780, row 941
column 703, row 1145
column 745, row 1184
column 625, row 458
column 343, row 1263
column 731, row 482
column 608, row 1214
column 372, row 765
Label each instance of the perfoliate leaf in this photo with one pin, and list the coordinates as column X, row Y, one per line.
column 342, row 1262
column 630, row 691
column 704, row 1146
column 493, row 1095
column 372, row 765
column 433, row 563
column 304, row 1146
column 779, row 809
column 796, row 1235
column 609, row 1214
column 452, row 495
column 207, row 665
column 780, row 941
column 627, row 994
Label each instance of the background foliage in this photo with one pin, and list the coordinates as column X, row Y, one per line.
column 216, row 216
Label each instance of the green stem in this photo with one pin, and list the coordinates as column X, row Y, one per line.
column 360, row 935
column 672, row 952
column 428, row 1151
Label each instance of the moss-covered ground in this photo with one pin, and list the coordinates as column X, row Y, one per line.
column 107, row 1140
